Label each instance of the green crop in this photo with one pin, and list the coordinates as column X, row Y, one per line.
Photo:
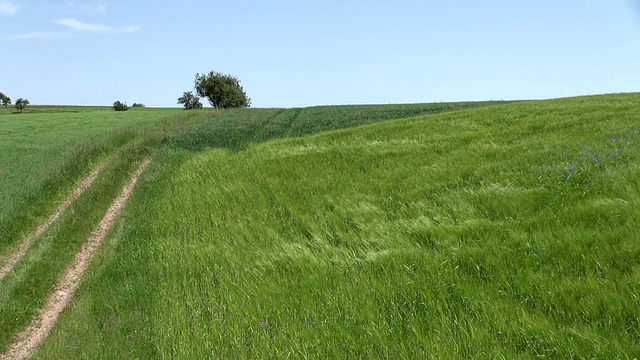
column 508, row 231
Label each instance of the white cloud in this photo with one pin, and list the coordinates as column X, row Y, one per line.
column 40, row 35
column 78, row 25
column 7, row 8
column 82, row 26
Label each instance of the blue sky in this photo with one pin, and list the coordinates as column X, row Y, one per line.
column 292, row 53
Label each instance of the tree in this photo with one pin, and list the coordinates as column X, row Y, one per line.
column 190, row 101
column 5, row 100
column 223, row 91
column 21, row 104
column 118, row 106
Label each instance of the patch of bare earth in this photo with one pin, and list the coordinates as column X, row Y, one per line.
column 26, row 243
column 34, row 335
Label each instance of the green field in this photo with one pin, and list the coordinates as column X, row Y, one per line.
column 45, row 150
column 456, row 231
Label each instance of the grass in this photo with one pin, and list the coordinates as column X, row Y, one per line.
column 67, row 142
column 24, row 289
column 43, row 155
column 48, row 148
column 40, row 109
column 236, row 129
column 498, row 232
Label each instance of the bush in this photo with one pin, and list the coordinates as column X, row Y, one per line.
column 137, row 105
column 21, row 104
column 190, row 101
column 118, row 106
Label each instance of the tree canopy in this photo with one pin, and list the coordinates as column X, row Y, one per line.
column 190, row 101
column 222, row 90
column 21, row 104
column 120, row 106
column 5, row 100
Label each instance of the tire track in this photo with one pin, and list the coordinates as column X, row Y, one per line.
column 294, row 119
column 21, row 251
column 35, row 334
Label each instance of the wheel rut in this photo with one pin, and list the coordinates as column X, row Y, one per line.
column 35, row 334
column 22, row 248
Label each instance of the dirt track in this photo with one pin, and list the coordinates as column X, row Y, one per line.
column 33, row 336
column 26, row 243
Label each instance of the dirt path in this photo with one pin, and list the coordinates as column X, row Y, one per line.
column 33, row 336
column 26, row 243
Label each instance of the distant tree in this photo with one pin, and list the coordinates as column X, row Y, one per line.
column 190, row 101
column 118, row 106
column 223, row 91
column 21, row 104
column 5, row 100
column 137, row 105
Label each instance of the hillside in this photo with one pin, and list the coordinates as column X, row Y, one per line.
column 497, row 231
column 503, row 231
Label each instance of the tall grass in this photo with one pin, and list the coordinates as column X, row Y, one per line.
column 501, row 232
column 236, row 129
column 43, row 156
column 24, row 290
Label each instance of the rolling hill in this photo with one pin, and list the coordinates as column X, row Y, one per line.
column 481, row 232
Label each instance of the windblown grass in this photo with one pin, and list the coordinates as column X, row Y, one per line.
column 508, row 231
column 236, row 129
column 24, row 290
column 43, row 155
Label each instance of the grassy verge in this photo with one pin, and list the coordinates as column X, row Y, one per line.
column 508, row 231
column 112, row 306
column 43, row 156
column 24, row 289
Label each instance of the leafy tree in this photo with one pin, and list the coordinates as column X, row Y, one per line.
column 223, row 91
column 137, row 105
column 190, row 101
column 21, row 104
column 118, row 106
column 5, row 100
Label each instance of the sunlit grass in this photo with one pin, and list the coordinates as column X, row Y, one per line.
column 508, row 231
column 24, row 290
column 43, row 156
